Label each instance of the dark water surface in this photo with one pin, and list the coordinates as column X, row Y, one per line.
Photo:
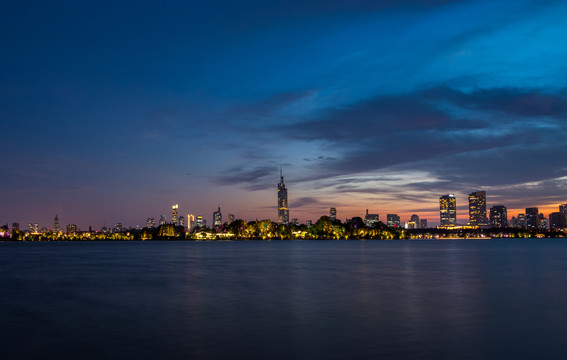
column 458, row 299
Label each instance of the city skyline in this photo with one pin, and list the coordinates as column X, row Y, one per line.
column 447, row 213
column 114, row 113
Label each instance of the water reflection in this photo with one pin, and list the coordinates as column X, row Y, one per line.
column 291, row 299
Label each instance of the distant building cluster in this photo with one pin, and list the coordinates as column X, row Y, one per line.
column 532, row 219
column 478, row 218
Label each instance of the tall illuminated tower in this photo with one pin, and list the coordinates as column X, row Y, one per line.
column 477, row 208
column 217, row 218
column 283, row 211
column 499, row 216
column 448, row 209
column 174, row 210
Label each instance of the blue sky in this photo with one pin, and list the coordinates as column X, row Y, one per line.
column 113, row 112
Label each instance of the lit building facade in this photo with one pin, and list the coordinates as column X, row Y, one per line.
column 182, row 221
column 532, row 218
column 415, row 219
column 499, row 216
column 174, row 213
column 200, row 221
column 393, row 220
column 448, row 210
column 162, row 219
column 217, row 218
column 190, row 221
column 423, row 224
column 33, row 228
column 283, row 210
column 371, row 219
column 333, row 214
column 151, row 223
column 477, row 209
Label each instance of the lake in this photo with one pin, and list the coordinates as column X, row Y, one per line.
column 441, row 299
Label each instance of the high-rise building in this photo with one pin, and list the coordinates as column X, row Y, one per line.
column 477, row 208
column 521, row 221
column 448, row 209
column 393, row 220
column 423, row 224
column 371, row 219
column 118, row 227
column 499, row 216
column 563, row 208
column 15, row 226
column 230, row 219
column 415, row 219
column 200, row 221
column 532, row 218
column 541, row 222
column 182, row 221
column 56, row 226
column 283, row 210
column 217, row 218
column 333, row 214
column 295, row 221
column 190, row 221
column 150, row 223
column 557, row 221
column 309, row 222
column 174, row 212
column 162, row 219
column 71, row 229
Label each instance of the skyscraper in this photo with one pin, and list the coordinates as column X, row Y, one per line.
column 217, row 218
column 162, row 219
column 230, row 219
column 557, row 221
column 532, row 218
column 477, row 208
column 190, row 221
column 499, row 216
column 333, row 214
column 448, row 209
column 200, row 222
column 174, row 211
column 150, row 223
column 423, row 224
column 56, row 226
column 283, row 211
column 182, row 221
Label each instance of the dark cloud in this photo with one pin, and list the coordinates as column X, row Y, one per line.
column 513, row 101
column 303, row 201
column 511, row 137
column 256, row 178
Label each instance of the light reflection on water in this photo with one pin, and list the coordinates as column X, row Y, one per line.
column 284, row 300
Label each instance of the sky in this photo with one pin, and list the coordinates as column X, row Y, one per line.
column 114, row 111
